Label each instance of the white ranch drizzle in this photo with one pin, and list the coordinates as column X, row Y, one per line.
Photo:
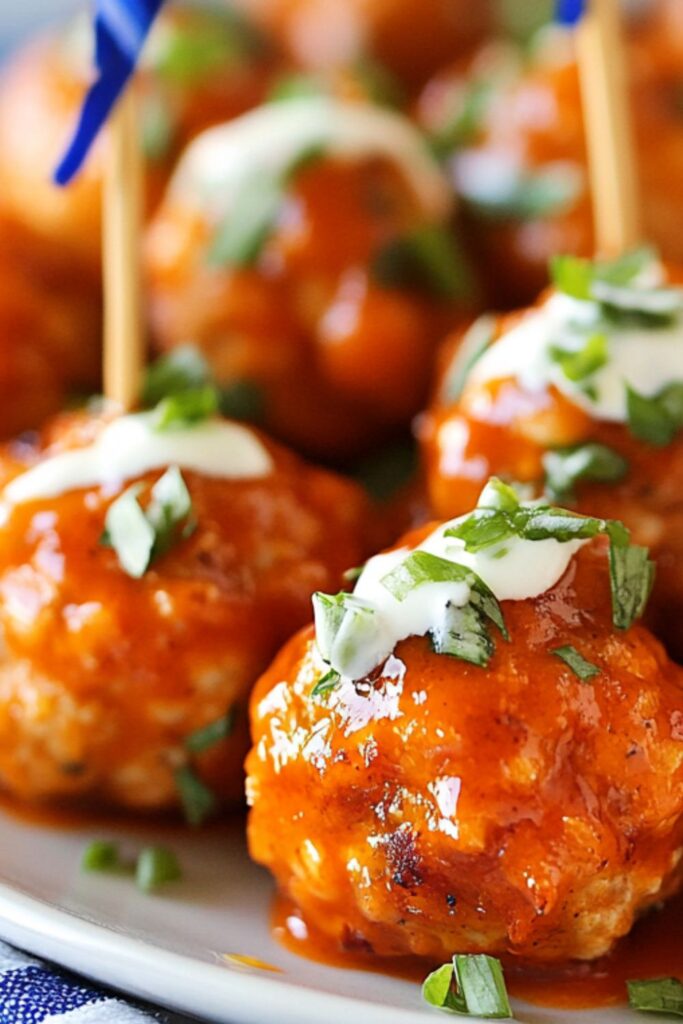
column 131, row 446
column 515, row 571
column 647, row 359
column 219, row 161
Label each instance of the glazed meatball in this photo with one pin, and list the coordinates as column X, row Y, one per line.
column 603, row 440
column 109, row 677
column 305, row 249
column 513, row 129
column 411, row 38
column 443, row 804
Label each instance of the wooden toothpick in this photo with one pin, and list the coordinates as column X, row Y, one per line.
column 121, row 226
column 604, row 89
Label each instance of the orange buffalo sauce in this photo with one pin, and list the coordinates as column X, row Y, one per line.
column 653, row 949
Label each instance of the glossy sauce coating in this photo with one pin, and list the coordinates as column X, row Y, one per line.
column 440, row 807
column 499, row 428
column 530, row 120
column 103, row 676
column 340, row 360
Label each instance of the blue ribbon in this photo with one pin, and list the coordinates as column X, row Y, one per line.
column 568, row 12
column 121, row 27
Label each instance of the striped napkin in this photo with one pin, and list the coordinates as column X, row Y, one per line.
column 33, row 992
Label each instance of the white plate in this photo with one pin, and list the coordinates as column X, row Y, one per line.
column 168, row 948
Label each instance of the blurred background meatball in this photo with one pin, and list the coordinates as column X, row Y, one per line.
column 107, row 679
column 306, row 249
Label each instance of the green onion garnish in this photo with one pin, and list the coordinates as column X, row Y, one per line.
column 101, row 855
column 577, row 364
column 155, row 866
column 584, row 670
column 472, row 985
column 427, row 259
column 186, row 408
column 592, row 462
column 657, row 419
column 656, row 995
column 183, row 369
column 209, row 735
column 198, row 801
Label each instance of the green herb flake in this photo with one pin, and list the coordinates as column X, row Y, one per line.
column 656, row 419
column 464, row 635
column 198, row 801
column 427, row 259
column 209, row 735
column 577, row 364
column 328, row 682
column 591, row 462
column 632, row 574
column 584, row 670
column 296, row 87
column 203, row 44
column 483, row 528
column 572, row 276
column 656, row 995
column 156, row 866
column 139, row 536
column 474, row 343
column 472, row 986
column 186, row 408
column 183, row 369
column 101, row 855
column 242, row 399
column 498, row 495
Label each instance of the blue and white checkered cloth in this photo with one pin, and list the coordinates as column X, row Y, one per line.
column 33, row 992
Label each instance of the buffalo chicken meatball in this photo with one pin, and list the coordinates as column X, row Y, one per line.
column 579, row 396
column 304, row 249
column 147, row 575
column 411, row 37
column 514, row 133
column 478, row 750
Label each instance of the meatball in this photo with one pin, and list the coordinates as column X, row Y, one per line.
column 109, row 681
column 517, row 806
column 305, row 249
column 411, row 38
column 515, row 137
column 546, row 431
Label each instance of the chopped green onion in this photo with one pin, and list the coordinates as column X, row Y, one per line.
column 330, row 681
column 472, row 347
column 101, row 855
column 585, row 670
column 198, row 801
column 182, row 369
column 656, row 995
column 657, row 419
column 186, row 408
column 592, row 462
column 427, row 259
column 129, row 533
column 472, row 986
column 242, row 400
column 578, row 364
column 632, row 574
column 156, row 865
column 209, row 735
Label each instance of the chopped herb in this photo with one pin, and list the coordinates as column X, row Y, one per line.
column 155, row 866
column 209, row 735
column 426, row 259
column 464, row 635
column 198, row 801
column 296, row 87
column 483, row 528
column 242, row 400
column 378, row 83
column 526, row 196
column 468, row 104
column 351, row 575
column 186, row 408
column 183, row 369
column 139, row 536
column 101, row 855
column 471, row 348
column 241, row 236
column 330, row 681
column 656, row 995
column 498, row 495
column 632, row 574
column 472, row 985
column 577, row 364
column 157, row 127
column 572, row 276
column 585, row 670
column 342, row 623
column 657, row 419
column 593, row 462
column 203, row 44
